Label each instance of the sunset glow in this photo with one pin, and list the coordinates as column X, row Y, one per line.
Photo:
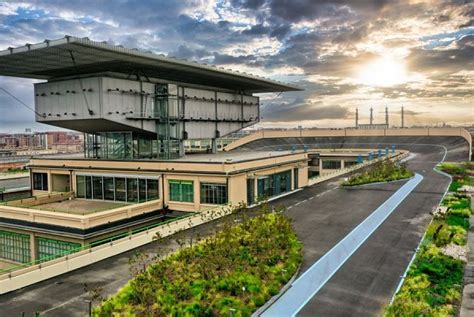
column 383, row 72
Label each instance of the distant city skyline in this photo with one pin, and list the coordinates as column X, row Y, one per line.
column 345, row 54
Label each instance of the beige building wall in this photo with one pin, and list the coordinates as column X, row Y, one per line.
column 234, row 174
column 238, row 188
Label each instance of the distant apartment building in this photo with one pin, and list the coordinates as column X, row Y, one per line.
column 60, row 141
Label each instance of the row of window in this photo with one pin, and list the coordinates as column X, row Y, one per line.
column 183, row 191
column 336, row 164
column 126, row 189
column 131, row 189
column 16, row 247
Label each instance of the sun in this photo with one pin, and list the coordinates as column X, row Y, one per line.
column 386, row 71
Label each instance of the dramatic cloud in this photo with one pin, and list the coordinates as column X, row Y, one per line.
column 344, row 53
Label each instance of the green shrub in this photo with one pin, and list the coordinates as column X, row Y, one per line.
column 432, row 286
column 450, row 234
column 237, row 270
column 383, row 171
column 456, row 220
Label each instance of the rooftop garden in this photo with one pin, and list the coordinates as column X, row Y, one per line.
column 433, row 285
column 383, row 171
column 14, row 170
column 463, row 174
column 232, row 272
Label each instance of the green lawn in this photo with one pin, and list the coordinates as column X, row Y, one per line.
column 233, row 272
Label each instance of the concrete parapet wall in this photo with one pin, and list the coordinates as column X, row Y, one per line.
column 40, row 200
column 78, row 221
column 267, row 134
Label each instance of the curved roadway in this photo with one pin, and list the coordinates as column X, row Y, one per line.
column 322, row 215
column 364, row 285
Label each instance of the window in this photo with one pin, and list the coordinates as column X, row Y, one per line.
column 181, row 190
column 331, row 164
column 98, row 187
column 142, row 190
column 152, row 189
column 40, row 181
column 295, row 178
column 250, row 191
column 213, row 193
column 15, row 246
column 132, row 190
column 120, row 189
column 88, row 187
column 109, row 188
column 51, row 248
column 282, row 182
column 80, row 186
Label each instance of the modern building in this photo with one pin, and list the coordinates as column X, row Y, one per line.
column 136, row 110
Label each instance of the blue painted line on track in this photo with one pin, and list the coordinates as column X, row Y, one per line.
column 311, row 281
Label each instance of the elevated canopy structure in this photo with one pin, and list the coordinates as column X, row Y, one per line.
column 54, row 58
column 135, row 104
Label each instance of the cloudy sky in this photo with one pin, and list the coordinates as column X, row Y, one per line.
column 344, row 53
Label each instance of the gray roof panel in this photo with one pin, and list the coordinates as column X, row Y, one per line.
column 52, row 59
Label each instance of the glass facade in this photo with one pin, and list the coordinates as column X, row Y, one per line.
column 51, row 248
column 181, row 190
column 215, row 194
column 275, row 184
column 120, row 146
column 40, row 181
column 115, row 188
column 15, row 246
column 169, row 109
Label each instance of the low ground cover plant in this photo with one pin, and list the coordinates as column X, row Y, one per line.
column 383, row 171
column 463, row 174
column 233, row 272
column 433, row 286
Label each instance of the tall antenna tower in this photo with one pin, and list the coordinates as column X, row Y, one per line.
column 371, row 115
column 357, row 117
column 403, row 118
column 386, row 116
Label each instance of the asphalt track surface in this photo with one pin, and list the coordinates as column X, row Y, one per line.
column 322, row 215
column 364, row 285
